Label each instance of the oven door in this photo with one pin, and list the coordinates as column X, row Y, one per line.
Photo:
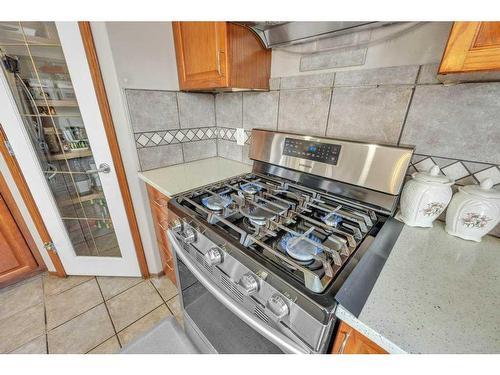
column 215, row 321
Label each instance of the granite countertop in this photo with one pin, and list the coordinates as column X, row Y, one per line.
column 183, row 177
column 435, row 294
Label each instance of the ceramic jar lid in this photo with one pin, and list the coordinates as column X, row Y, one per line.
column 483, row 190
column 433, row 176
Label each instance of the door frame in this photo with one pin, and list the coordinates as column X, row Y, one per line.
column 28, row 200
column 23, row 228
column 132, row 262
column 109, row 128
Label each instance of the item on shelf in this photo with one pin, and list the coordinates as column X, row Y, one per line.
column 65, row 89
column 424, row 198
column 43, row 88
column 83, row 184
column 473, row 211
column 52, row 143
column 44, row 110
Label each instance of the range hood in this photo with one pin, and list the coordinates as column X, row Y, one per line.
column 279, row 34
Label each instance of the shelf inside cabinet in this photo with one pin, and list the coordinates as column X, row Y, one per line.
column 56, row 103
column 83, row 198
column 71, row 155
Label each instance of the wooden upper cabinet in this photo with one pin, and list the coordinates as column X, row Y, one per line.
column 220, row 56
column 472, row 47
column 350, row 341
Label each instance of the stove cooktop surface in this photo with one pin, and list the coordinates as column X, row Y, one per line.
column 307, row 235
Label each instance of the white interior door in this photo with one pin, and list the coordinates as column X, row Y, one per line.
column 51, row 116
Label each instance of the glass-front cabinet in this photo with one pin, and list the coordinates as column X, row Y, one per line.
column 36, row 71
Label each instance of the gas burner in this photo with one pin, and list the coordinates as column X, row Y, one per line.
column 299, row 249
column 217, row 202
column 257, row 215
column 250, row 188
column 332, row 219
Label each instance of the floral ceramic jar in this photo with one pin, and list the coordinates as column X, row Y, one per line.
column 473, row 211
column 425, row 197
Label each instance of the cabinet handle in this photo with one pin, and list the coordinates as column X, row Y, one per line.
column 344, row 342
column 219, row 69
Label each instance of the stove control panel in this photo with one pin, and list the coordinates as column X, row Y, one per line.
column 315, row 151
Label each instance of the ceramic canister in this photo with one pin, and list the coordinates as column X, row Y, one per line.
column 425, row 197
column 473, row 211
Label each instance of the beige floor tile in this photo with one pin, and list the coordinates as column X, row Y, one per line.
column 20, row 296
column 110, row 346
column 175, row 306
column 82, row 333
column 55, row 285
column 111, row 286
column 22, row 327
column 66, row 305
column 144, row 324
column 133, row 304
column 166, row 287
column 36, row 346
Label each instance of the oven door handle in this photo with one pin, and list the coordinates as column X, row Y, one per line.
column 271, row 334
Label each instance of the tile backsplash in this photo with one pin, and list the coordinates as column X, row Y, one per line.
column 454, row 126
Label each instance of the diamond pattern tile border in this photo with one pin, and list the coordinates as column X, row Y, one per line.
column 463, row 172
column 166, row 137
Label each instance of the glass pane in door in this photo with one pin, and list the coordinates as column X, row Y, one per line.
column 35, row 67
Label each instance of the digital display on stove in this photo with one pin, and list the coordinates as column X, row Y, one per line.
column 315, row 151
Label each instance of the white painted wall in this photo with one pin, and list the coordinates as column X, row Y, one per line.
column 110, row 68
column 144, row 54
column 422, row 45
column 4, row 170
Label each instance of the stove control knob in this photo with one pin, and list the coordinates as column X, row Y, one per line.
column 188, row 236
column 214, row 256
column 278, row 306
column 249, row 284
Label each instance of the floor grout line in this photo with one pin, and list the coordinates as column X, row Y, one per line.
column 135, row 321
column 124, row 290
column 107, row 310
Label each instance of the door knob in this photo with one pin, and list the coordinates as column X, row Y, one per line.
column 103, row 168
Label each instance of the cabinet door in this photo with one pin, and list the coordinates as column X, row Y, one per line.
column 350, row 341
column 16, row 259
column 472, row 46
column 201, row 52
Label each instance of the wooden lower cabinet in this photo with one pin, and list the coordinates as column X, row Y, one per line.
column 159, row 210
column 350, row 341
column 16, row 259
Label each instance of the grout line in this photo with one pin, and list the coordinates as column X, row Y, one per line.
column 76, row 316
column 278, row 109
column 115, row 335
column 74, row 286
column 106, row 307
column 408, row 107
column 157, row 291
column 180, row 127
column 330, row 103
column 405, row 116
column 45, row 319
column 135, row 321
column 216, row 126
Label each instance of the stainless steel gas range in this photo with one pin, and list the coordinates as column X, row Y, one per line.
column 260, row 257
